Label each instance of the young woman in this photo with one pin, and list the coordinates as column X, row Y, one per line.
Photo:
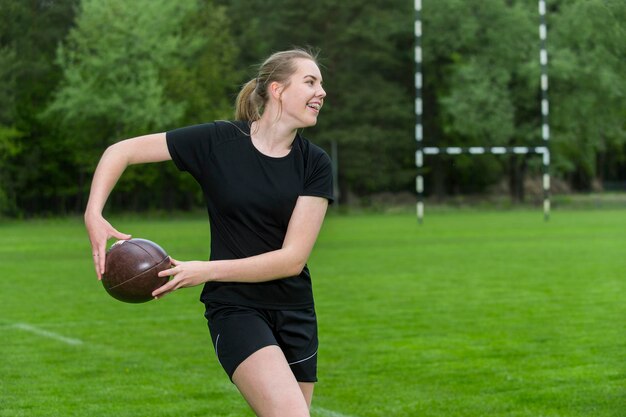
column 267, row 190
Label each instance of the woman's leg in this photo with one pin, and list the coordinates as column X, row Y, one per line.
column 307, row 391
column 269, row 386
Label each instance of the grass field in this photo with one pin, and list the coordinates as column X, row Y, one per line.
column 471, row 314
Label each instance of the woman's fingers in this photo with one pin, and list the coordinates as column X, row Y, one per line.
column 118, row 235
column 165, row 289
column 98, row 252
column 96, row 264
column 169, row 272
column 184, row 274
column 99, row 240
column 102, row 253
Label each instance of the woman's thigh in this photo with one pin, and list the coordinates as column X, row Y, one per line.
column 269, row 386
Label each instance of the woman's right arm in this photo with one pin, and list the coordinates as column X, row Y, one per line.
column 142, row 149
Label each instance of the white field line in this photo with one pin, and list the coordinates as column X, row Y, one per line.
column 327, row 413
column 125, row 321
column 45, row 333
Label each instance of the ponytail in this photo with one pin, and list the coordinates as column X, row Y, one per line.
column 248, row 106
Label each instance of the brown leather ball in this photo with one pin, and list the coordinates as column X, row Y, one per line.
column 131, row 270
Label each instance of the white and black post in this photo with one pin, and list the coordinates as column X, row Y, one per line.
column 419, row 155
column 545, row 108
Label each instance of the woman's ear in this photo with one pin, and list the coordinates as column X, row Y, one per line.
column 276, row 89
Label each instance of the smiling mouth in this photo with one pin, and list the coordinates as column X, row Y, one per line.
column 314, row 106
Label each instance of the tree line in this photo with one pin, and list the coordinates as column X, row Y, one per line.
column 78, row 75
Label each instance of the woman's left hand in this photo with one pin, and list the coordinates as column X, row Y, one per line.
column 184, row 274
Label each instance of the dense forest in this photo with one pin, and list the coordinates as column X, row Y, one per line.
column 78, row 75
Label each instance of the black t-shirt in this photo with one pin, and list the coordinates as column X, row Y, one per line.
column 250, row 198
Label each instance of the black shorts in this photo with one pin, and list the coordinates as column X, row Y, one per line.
column 239, row 331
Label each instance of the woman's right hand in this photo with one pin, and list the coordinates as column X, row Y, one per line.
column 100, row 231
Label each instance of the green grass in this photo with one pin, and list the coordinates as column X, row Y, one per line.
column 471, row 314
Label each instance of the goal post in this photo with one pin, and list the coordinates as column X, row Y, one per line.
column 542, row 150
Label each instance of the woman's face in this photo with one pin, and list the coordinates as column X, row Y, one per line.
column 303, row 96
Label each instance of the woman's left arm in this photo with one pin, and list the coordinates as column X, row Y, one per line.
column 288, row 261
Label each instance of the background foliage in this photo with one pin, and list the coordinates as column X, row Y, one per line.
column 76, row 76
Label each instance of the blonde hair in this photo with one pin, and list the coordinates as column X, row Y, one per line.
column 278, row 67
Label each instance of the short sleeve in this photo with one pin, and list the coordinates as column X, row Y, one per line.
column 190, row 147
column 319, row 179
